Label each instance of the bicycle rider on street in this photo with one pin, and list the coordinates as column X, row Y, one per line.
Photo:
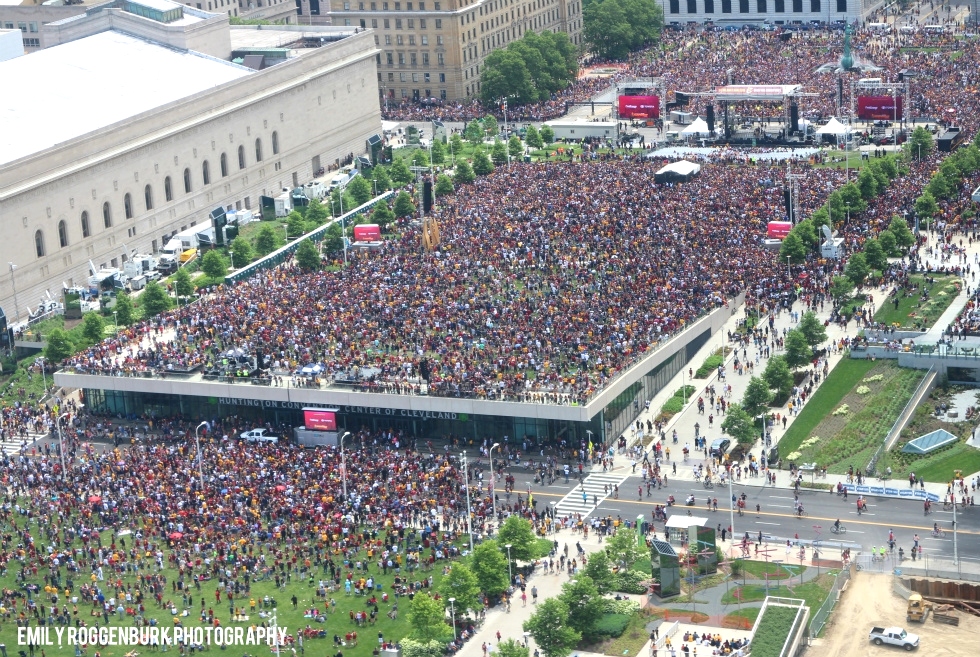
column 837, row 525
column 935, row 528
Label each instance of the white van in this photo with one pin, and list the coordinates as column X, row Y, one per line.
column 881, row 28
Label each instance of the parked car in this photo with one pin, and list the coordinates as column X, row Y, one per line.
column 259, row 436
column 719, row 447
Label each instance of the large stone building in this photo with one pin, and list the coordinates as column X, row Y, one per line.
column 778, row 12
column 436, row 48
column 144, row 123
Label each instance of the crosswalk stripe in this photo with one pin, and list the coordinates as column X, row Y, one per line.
column 595, row 486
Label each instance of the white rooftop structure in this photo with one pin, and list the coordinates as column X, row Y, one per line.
column 95, row 82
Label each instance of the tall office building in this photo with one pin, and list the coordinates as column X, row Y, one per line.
column 436, row 48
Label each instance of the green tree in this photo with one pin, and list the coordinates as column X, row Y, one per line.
column 900, row 229
column 852, row 199
column 798, row 352
column 444, row 185
column 515, row 147
column 867, row 183
column 739, row 425
column 243, row 251
column 474, row 132
column 455, row 146
column 295, row 224
column 505, row 73
column 427, row 618
column 857, row 269
column 382, row 215
column 412, row 648
column 511, row 648
column 940, row 186
column 841, row 289
column 585, row 606
column 381, row 179
column 154, row 299
column 333, row 239
column 614, row 28
column 519, row 534
column 820, row 217
column 214, row 266
column 266, row 240
column 623, row 549
column 889, row 244
column 547, row 135
column 125, row 313
column 887, row 166
column 490, row 126
column 464, row 173
column 533, row 137
column 757, row 397
column 813, row 329
column 59, row 346
column 316, row 214
column 926, row 206
column 360, row 190
column 792, row 248
column 920, row 143
column 489, row 564
column 439, row 151
column 598, row 570
column 875, row 255
column 308, row 256
column 403, row 205
column 499, row 153
column 463, row 585
column 420, row 158
column 93, row 327
column 399, row 172
column 778, row 376
column 807, row 232
column 550, row 627
column 183, row 286
column 482, row 166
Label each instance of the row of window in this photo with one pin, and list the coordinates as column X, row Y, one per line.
column 148, row 200
column 761, row 6
column 400, row 40
column 425, row 77
column 398, row 6
column 23, row 27
column 413, row 59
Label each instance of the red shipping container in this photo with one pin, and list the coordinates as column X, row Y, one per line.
column 778, row 230
column 367, row 233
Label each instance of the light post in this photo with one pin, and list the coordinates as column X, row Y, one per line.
column 731, row 497
column 789, row 272
column 452, row 613
column 493, row 492
column 466, row 484
column 510, row 570
column 231, row 254
column 14, row 285
column 115, row 320
column 61, row 445
column 343, row 464
column 343, row 225
column 197, row 442
column 285, row 227
column 956, row 553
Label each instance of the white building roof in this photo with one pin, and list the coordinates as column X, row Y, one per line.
column 85, row 85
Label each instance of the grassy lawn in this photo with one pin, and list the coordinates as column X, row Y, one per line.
column 940, row 465
column 853, row 160
column 773, row 629
column 827, row 397
column 850, row 432
column 814, row 592
column 631, row 641
column 758, row 570
column 911, row 312
column 338, row 621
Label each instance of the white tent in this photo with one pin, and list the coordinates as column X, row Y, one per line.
column 697, row 127
column 833, row 127
column 681, row 171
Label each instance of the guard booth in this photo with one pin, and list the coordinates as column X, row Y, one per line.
column 665, row 569
column 698, row 537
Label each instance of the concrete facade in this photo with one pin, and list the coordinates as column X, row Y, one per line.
column 436, row 48
column 743, row 12
column 124, row 184
column 11, row 44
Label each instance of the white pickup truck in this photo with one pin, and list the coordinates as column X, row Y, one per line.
column 895, row 636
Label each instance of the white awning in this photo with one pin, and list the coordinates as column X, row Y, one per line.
column 680, row 168
column 833, row 127
column 683, row 522
column 698, row 127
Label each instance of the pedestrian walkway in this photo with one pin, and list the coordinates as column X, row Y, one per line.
column 590, row 493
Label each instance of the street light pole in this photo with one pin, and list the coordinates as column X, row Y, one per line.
column 14, row 285
column 956, row 553
column 44, row 378
column 731, row 497
column 510, row 570
column 231, row 254
column 466, row 484
column 452, row 613
column 61, row 445
column 115, row 321
column 789, row 272
column 343, row 464
column 197, row 441
column 493, row 493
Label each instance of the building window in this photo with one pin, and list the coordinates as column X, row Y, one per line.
column 425, row 59
column 224, row 165
column 675, row 6
column 414, row 59
column 400, row 40
column 440, row 59
column 780, row 6
column 442, row 78
column 425, row 40
column 439, row 40
column 187, row 181
column 401, row 59
column 106, row 215
column 411, row 22
column 128, row 206
column 241, row 157
column 709, row 6
column 422, row 24
column 275, row 143
column 206, row 172
column 398, row 23
column 726, row 6
column 842, row 6
column 761, row 6
column 148, row 197
column 797, row 6
column 692, row 6
column 390, row 59
column 815, row 6
column 39, row 244
column 438, row 23
column 743, row 6
column 85, row 229
column 168, row 189
column 258, row 150
column 63, row 233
